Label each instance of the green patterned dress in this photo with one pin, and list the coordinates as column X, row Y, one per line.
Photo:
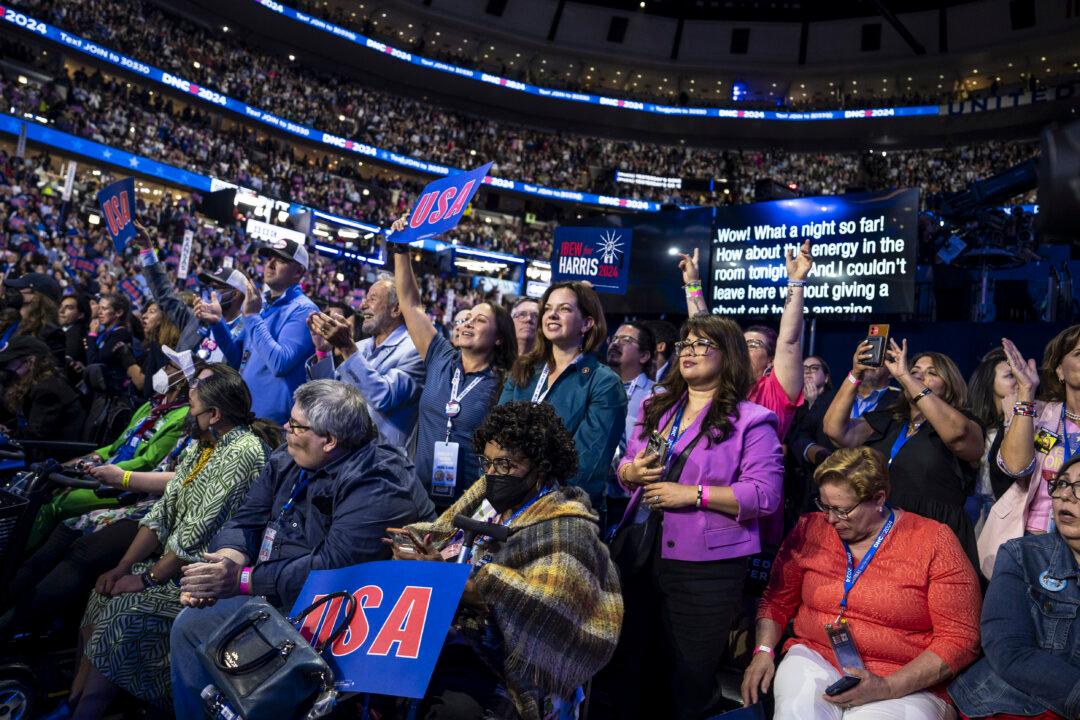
column 130, row 642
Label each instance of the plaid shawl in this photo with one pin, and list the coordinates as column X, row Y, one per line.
column 551, row 590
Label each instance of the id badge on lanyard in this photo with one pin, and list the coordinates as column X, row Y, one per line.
column 266, row 547
column 843, row 644
column 444, row 469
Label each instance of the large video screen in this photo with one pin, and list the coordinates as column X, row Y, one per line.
column 863, row 247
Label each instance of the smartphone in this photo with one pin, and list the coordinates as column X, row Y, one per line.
column 878, row 337
column 406, row 539
column 657, row 446
column 842, row 685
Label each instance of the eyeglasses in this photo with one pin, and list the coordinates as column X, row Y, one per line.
column 522, row 315
column 624, row 340
column 698, row 348
column 840, row 513
column 296, row 428
column 811, row 368
column 755, row 344
column 1053, row 487
column 462, row 321
column 502, row 466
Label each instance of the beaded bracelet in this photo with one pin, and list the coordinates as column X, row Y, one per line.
column 699, row 492
column 1025, row 408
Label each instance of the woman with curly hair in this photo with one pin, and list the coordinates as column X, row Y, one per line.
column 699, row 505
column 541, row 612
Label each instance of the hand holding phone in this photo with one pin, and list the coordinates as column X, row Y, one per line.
column 406, row 540
column 878, row 338
column 657, row 446
column 842, row 685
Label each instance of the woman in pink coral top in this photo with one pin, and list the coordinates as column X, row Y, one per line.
column 913, row 612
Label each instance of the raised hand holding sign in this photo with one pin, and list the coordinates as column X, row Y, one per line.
column 440, row 206
column 117, row 202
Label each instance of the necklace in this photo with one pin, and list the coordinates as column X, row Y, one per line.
column 913, row 427
column 1075, row 417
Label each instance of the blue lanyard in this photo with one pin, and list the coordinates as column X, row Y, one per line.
column 297, row 488
column 1069, row 452
column 674, row 434
column 900, row 441
column 7, row 334
column 103, row 335
column 854, row 573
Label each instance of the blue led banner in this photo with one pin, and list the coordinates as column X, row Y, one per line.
column 87, row 47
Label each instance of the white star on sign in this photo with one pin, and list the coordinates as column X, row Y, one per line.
column 133, row 162
column 107, row 153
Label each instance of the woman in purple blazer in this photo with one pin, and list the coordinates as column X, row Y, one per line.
column 689, row 589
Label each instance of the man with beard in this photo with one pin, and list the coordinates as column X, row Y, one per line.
column 630, row 353
column 385, row 366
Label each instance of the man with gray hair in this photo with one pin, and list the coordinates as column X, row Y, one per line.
column 384, row 366
column 322, row 502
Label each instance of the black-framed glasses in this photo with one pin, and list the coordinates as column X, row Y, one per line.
column 839, row 512
column 697, row 348
column 501, row 466
column 625, row 340
column 812, row 368
column 296, row 428
column 1056, row 486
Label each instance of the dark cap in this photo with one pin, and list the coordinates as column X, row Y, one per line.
column 233, row 278
column 284, row 248
column 24, row 346
column 38, row 282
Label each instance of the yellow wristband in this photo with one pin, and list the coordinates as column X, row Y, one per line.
column 126, row 480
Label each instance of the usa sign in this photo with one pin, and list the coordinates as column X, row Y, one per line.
column 598, row 255
column 117, row 203
column 403, row 612
column 441, row 205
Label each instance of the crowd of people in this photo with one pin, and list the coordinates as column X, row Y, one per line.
column 347, row 107
column 266, row 427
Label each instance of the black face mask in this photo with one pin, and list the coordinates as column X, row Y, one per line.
column 508, row 491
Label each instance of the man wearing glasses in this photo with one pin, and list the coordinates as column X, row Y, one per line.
column 630, row 353
column 526, row 315
column 322, row 503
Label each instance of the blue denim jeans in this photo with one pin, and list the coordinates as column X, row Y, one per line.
column 192, row 627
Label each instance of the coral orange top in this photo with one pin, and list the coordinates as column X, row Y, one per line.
column 918, row 593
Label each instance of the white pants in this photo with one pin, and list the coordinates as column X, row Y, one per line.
column 801, row 680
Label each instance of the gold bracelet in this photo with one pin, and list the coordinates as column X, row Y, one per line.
column 126, row 479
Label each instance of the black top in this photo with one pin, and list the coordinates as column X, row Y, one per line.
column 52, row 410
column 926, row 477
column 105, row 350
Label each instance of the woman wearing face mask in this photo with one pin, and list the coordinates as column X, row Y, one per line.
column 106, row 344
column 562, row 371
column 127, row 621
column 932, row 442
column 37, row 404
column 158, row 330
column 462, row 382
column 153, row 432
column 700, row 508
column 499, row 658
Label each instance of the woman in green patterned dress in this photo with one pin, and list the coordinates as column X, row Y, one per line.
column 125, row 631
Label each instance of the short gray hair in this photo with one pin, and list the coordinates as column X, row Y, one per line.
column 334, row 408
column 389, row 280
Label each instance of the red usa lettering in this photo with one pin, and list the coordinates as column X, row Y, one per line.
column 399, row 635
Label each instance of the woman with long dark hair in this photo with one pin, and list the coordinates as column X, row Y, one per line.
column 991, row 388
column 32, row 309
column 461, row 383
column 563, row 371
column 704, row 497
column 37, row 403
column 107, row 344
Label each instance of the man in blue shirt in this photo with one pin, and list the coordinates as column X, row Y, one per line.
column 385, row 366
column 322, row 503
column 630, row 354
column 275, row 341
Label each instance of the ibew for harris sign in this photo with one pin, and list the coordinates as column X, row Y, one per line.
column 404, row 609
column 441, row 205
column 599, row 255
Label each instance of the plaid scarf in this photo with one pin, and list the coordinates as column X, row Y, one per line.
column 551, row 590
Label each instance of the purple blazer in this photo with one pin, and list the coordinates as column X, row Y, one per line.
column 750, row 462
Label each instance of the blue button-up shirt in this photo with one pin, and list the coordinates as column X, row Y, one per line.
column 272, row 349
column 390, row 377
column 337, row 520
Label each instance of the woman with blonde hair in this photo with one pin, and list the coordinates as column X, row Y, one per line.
column 931, row 441
column 861, row 574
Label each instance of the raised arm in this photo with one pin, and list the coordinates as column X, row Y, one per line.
column 838, row 424
column 419, row 325
column 1018, row 447
column 787, row 363
column 691, row 277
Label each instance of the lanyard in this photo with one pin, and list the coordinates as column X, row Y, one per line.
column 854, row 573
column 483, row 540
column 297, row 488
column 453, row 408
column 104, row 334
column 1069, row 452
column 673, row 436
column 541, row 390
column 900, row 441
column 7, row 334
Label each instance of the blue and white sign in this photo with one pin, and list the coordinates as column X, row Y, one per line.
column 441, row 205
column 598, row 255
column 404, row 610
column 117, row 203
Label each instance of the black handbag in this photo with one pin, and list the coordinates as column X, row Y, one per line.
column 263, row 666
column 633, row 543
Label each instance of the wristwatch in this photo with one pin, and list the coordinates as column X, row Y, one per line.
column 149, row 579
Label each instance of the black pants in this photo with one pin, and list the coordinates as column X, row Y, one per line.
column 463, row 687
column 56, row 580
column 678, row 617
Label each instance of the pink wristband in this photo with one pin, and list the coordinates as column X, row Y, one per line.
column 704, row 496
column 245, row 581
